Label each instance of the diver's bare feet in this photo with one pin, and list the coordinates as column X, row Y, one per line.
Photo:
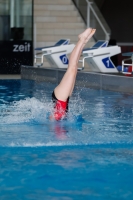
column 86, row 35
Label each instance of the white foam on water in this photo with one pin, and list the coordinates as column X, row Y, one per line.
column 25, row 123
column 3, row 101
column 25, row 111
column 39, row 144
column 31, row 109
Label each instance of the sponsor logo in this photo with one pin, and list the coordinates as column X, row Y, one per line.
column 21, row 47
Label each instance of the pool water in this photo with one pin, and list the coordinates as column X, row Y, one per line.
column 87, row 156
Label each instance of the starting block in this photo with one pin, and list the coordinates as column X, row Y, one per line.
column 98, row 57
column 56, row 55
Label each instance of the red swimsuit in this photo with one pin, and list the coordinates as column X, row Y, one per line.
column 60, row 107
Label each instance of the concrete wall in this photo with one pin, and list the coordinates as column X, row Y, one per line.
column 54, row 20
column 116, row 83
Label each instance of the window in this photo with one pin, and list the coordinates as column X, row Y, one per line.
column 16, row 20
column 16, row 35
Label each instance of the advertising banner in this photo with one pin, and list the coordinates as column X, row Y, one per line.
column 13, row 54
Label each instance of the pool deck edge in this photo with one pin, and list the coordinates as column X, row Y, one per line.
column 10, row 76
column 112, row 82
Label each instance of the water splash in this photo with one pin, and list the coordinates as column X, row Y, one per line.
column 25, row 110
column 94, row 121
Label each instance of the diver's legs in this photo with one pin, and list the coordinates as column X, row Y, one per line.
column 65, row 88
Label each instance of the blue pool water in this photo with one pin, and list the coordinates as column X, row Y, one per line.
column 87, row 156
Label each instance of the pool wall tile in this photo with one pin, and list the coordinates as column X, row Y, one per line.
column 88, row 80
column 118, row 83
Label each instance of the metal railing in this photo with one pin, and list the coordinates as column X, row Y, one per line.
column 93, row 18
